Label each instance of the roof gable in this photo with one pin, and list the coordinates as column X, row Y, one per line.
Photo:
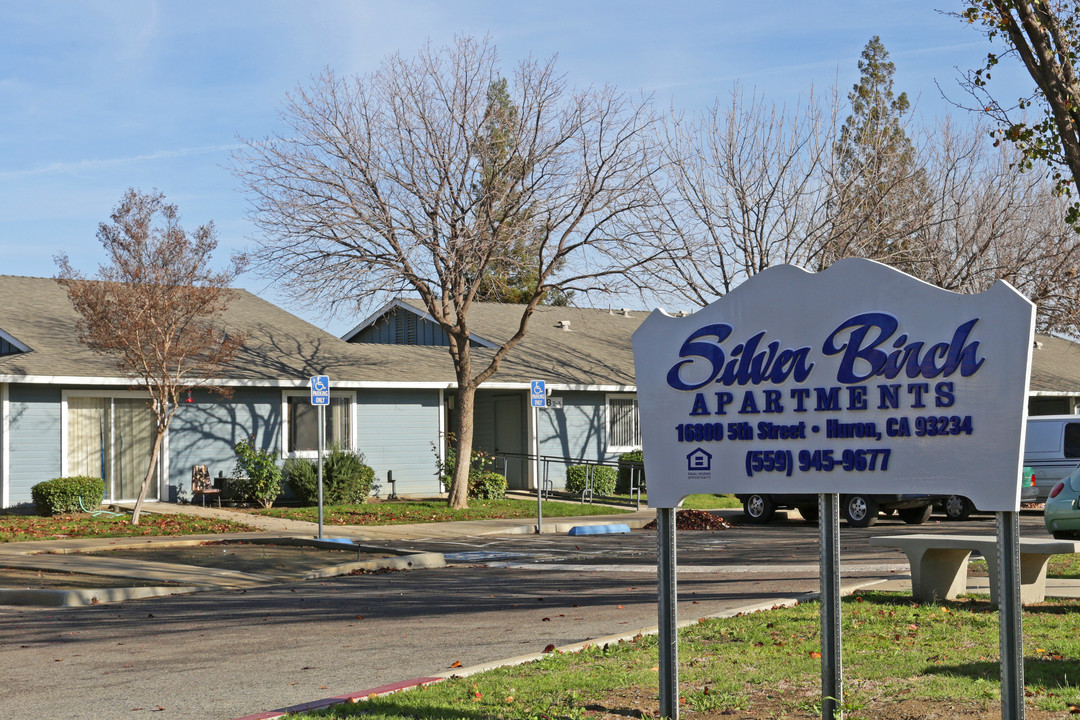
column 403, row 322
column 10, row 345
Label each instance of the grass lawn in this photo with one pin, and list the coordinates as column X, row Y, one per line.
column 19, row 528
column 425, row 511
column 901, row 660
column 695, row 502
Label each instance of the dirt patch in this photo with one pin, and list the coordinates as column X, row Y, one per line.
column 286, row 561
column 695, row 520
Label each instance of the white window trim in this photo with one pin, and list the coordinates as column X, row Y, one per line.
column 607, row 424
column 314, row 454
column 163, row 453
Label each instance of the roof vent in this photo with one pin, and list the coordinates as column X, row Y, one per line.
column 625, row 312
column 564, row 324
column 1038, row 345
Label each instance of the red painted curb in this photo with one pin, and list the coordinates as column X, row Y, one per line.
column 337, row 700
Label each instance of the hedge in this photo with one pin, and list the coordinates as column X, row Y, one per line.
column 603, row 479
column 61, row 495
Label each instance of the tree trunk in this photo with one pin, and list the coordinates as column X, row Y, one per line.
column 459, row 487
column 158, row 436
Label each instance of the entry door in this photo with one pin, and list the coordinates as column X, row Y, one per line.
column 509, row 437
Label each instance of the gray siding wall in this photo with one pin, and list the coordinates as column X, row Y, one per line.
column 395, row 431
column 577, row 431
column 205, row 432
column 34, row 439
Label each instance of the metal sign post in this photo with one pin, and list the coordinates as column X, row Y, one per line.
column 1010, row 616
column 320, row 397
column 538, row 399
column 832, row 665
column 667, row 613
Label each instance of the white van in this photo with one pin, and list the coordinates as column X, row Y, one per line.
column 1052, row 451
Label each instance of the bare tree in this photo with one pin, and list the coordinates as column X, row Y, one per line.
column 746, row 192
column 987, row 220
column 382, row 185
column 753, row 187
column 154, row 308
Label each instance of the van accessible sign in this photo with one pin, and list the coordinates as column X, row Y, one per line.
column 857, row 379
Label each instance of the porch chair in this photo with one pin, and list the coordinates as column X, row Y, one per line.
column 202, row 485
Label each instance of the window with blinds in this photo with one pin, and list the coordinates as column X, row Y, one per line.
column 623, row 423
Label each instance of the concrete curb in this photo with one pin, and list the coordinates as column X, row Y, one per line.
column 402, row 560
column 773, row 604
column 90, row 596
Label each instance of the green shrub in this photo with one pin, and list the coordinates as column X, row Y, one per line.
column 61, row 495
column 479, row 461
column 487, row 486
column 623, row 485
column 346, row 479
column 300, row 476
column 603, row 479
column 257, row 475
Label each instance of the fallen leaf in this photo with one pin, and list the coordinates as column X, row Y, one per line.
column 456, row 663
column 550, row 647
column 816, row 655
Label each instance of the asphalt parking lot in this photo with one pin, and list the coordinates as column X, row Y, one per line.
column 228, row 653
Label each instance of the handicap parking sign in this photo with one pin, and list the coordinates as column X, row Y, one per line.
column 320, row 390
column 538, row 393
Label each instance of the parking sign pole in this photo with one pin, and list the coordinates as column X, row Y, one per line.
column 832, row 666
column 322, row 441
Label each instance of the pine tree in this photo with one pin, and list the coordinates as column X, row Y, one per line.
column 879, row 187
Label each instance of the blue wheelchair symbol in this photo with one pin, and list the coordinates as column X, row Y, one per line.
column 320, row 383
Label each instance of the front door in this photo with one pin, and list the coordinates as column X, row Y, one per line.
column 510, row 438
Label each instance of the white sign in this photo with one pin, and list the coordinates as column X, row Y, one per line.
column 555, row 403
column 538, row 393
column 320, row 390
column 857, row 379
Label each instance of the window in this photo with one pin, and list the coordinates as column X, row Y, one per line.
column 623, row 423
column 111, row 438
column 302, row 425
column 1072, row 440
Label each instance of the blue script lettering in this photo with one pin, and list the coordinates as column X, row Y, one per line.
column 749, row 363
column 860, row 337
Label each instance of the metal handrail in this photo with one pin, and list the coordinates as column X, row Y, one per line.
column 545, row 485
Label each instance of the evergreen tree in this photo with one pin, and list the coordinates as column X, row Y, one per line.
column 510, row 276
column 879, row 187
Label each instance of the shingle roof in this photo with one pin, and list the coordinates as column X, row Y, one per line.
column 280, row 347
column 283, row 349
column 1055, row 366
column 563, row 345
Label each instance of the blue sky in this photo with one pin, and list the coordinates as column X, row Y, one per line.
column 100, row 96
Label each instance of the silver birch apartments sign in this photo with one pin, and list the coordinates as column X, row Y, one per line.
column 857, row 379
